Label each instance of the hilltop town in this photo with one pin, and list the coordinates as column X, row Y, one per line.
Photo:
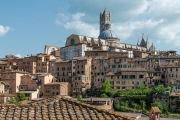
column 100, row 71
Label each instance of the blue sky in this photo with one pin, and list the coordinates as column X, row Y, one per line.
column 27, row 26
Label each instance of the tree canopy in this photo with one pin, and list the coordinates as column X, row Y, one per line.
column 79, row 98
column 17, row 100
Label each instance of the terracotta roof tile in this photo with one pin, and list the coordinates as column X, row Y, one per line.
column 156, row 109
column 57, row 108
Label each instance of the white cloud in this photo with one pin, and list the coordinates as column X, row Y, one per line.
column 157, row 19
column 18, row 55
column 77, row 16
column 61, row 18
column 125, row 30
column 78, row 25
column 58, row 22
column 4, row 30
column 170, row 34
column 81, row 27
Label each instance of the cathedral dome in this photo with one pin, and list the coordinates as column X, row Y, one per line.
column 107, row 34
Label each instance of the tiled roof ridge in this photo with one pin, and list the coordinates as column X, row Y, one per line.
column 97, row 109
column 52, row 100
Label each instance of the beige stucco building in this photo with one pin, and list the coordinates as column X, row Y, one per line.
column 57, row 88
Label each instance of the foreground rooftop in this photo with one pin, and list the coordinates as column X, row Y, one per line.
column 57, row 108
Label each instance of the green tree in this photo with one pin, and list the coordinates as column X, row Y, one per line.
column 13, row 101
column 106, row 88
column 136, row 106
column 168, row 88
column 141, row 87
column 124, row 104
column 157, row 104
column 116, row 104
column 143, row 104
column 80, row 99
column 21, row 97
column 17, row 100
column 160, row 89
column 103, row 95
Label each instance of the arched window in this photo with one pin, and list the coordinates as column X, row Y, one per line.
column 72, row 41
column 52, row 49
column 57, row 93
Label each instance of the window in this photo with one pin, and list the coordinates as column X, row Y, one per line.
column 96, row 54
column 72, row 41
column 111, row 77
column 141, row 76
column 124, row 66
column 155, row 74
column 176, row 69
column 113, row 66
column 123, row 88
column 117, row 82
column 112, row 82
column 118, row 87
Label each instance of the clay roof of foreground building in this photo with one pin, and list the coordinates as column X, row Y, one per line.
column 57, row 108
column 156, row 109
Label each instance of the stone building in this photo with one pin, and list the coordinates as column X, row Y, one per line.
column 32, row 64
column 2, row 66
column 57, row 88
column 14, row 80
column 127, row 78
column 81, row 74
column 52, row 50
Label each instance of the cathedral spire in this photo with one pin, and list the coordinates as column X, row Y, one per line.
column 105, row 18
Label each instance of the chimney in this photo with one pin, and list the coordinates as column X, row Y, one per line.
column 91, row 100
